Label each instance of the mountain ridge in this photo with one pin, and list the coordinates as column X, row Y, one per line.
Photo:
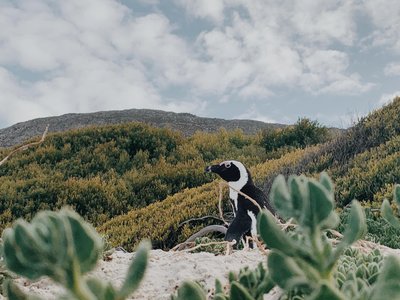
column 187, row 123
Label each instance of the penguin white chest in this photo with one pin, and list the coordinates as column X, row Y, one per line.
column 253, row 223
column 233, row 195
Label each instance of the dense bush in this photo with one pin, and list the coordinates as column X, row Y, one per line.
column 103, row 172
column 304, row 133
column 379, row 230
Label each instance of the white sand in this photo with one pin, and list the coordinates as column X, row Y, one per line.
column 166, row 271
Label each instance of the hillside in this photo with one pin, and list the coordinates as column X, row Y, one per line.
column 135, row 181
column 186, row 123
column 364, row 163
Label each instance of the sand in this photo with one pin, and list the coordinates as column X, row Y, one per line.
column 166, row 271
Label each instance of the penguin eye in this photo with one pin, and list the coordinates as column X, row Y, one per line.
column 227, row 165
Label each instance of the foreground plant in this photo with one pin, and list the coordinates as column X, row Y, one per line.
column 62, row 246
column 247, row 285
column 308, row 264
column 387, row 211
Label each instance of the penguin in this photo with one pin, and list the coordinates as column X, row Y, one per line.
column 245, row 212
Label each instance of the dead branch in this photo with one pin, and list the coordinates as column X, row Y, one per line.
column 24, row 147
column 220, row 204
column 199, row 219
column 200, row 233
column 211, row 243
column 205, row 230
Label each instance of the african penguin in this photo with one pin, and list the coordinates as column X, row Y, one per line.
column 245, row 212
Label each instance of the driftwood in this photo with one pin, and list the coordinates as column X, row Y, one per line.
column 219, row 228
column 24, row 147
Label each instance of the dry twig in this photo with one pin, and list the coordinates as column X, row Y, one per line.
column 24, row 147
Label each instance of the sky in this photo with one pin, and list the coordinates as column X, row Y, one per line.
column 273, row 61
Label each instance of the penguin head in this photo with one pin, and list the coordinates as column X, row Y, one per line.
column 230, row 171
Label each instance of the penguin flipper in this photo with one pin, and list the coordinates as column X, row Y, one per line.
column 239, row 226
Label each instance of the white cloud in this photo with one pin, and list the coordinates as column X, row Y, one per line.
column 253, row 113
column 85, row 55
column 385, row 16
column 392, row 69
column 387, row 98
column 326, row 73
column 209, row 9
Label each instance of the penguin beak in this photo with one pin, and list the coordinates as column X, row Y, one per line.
column 210, row 169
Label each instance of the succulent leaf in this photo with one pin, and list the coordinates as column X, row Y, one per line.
column 238, row 292
column 136, row 270
column 388, row 214
column 272, row 234
column 190, row 290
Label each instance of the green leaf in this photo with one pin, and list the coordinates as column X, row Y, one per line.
column 272, row 234
column 387, row 285
column 327, row 292
column 87, row 243
column 396, row 195
column 218, row 287
column 356, row 226
column 238, row 292
column 326, row 181
column 321, row 205
column 102, row 290
column 280, row 197
column 190, row 291
column 136, row 270
column 284, row 270
column 388, row 214
column 13, row 292
column 299, row 194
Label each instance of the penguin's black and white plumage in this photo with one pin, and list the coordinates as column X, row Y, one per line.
column 245, row 212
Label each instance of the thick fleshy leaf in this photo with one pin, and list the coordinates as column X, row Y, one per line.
column 136, row 270
column 320, row 205
column 280, row 197
column 101, row 290
column 327, row 292
column 272, row 234
column 388, row 214
column 284, row 270
column 190, row 290
column 13, row 292
column 87, row 243
column 387, row 285
column 356, row 226
column 299, row 195
column 397, row 194
column 326, row 181
column 238, row 292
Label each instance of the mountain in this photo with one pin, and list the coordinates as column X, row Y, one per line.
column 188, row 124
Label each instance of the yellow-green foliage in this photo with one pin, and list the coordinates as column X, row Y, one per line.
column 371, row 174
column 363, row 162
column 159, row 221
column 105, row 171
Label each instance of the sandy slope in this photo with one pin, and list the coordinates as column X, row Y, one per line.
column 165, row 273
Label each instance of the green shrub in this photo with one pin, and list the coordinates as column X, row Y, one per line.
column 304, row 133
column 106, row 171
column 379, row 230
column 246, row 285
